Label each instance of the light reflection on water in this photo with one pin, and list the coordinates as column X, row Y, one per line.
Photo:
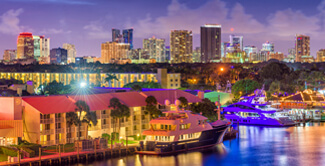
column 257, row 145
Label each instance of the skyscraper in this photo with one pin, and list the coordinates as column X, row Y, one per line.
column 128, row 37
column 113, row 52
column 267, row 46
column 71, row 52
column 41, row 47
column 9, row 55
column 116, row 35
column 156, row 48
column 236, row 41
column 181, row 46
column 210, row 43
column 197, row 55
column 251, row 52
column 58, row 56
column 25, row 46
column 302, row 46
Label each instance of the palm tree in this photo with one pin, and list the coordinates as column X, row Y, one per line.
column 109, row 79
column 151, row 107
column 118, row 112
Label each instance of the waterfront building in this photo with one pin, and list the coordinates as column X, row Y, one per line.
column 71, row 52
column 113, row 52
column 320, row 55
column 197, row 55
column 167, row 80
column 210, row 43
column 58, row 56
column 302, row 47
column 9, row 55
column 181, row 46
column 25, row 46
column 236, row 41
column 128, row 37
column 155, row 48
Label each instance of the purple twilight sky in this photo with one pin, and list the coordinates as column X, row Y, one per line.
column 88, row 23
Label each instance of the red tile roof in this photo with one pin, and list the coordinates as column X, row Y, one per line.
column 50, row 104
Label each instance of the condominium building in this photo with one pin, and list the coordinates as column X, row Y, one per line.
column 155, row 48
column 58, row 56
column 210, row 43
column 302, row 47
column 9, row 55
column 25, row 46
column 181, row 46
column 167, row 80
column 41, row 48
column 237, row 41
column 128, row 37
column 276, row 55
column 197, row 55
column 71, row 52
column 113, row 52
column 320, row 55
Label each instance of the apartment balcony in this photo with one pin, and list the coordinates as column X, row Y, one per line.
column 47, row 143
column 105, row 126
column 46, row 121
column 47, row 132
column 70, row 140
column 125, row 124
column 128, row 133
column 62, row 141
column 136, row 132
column 59, row 120
column 104, row 116
column 136, row 122
column 59, row 130
column 71, row 130
column 82, row 128
column 143, row 121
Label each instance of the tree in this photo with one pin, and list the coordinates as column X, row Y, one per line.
column 109, row 79
column 118, row 111
column 274, row 71
column 274, row 87
column 54, row 88
column 136, row 87
column 151, row 107
column 81, row 115
column 184, row 102
column 206, row 107
column 143, row 85
column 244, row 87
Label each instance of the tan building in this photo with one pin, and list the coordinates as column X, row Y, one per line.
column 155, row 48
column 25, row 46
column 9, row 55
column 320, row 55
column 113, row 52
column 181, row 46
column 71, row 52
column 302, row 47
column 97, row 78
column 307, row 59
column 276, row 55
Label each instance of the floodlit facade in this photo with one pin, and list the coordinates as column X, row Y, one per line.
column 9, row 55
column 210, row 43
column 320, row 55
column 197, row 55
column 71, row 52
column 181, row 46
column 302, row 47
column 25, row 46
column 237, row 41
column 97, row 78
column 155, row 48
column 113, row 52
column 41, row 48
column 128, row 37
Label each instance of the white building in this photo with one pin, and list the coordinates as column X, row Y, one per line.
column 236, row 41
column 41, row 48
column 156, row 48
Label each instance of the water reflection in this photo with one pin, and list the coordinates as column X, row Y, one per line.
column 301, row 145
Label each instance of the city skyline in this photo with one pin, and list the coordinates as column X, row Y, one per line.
column 64, row 21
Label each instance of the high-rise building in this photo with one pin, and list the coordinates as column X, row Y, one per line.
column 58, row 56
column 224, row 47
column 167, row 48
column 128, row 37
column 71, row 52
column 320, row 55
column 9, row 55
column 181, row 46
column 210, row 43
column 236, row 41
column 41, row 47
column 251, row 52
column 116, row 35
column 267, row 46
column 25, row 46
column 156, row 48
column 197, row 55
column 302, row 46
column 113, row 52
column 276, row 55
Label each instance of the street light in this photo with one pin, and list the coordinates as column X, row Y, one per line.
column 221, row 69
column 83, row 84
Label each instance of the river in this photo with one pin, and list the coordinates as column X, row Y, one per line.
column 256, row 145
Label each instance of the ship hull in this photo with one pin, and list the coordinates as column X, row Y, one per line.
column 208, row 138
column 257, row 121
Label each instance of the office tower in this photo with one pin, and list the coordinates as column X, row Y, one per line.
column 113, row 52
column 251, row 52
column 320, row 55
column 302, row 46
column 116, row 35
column 181, row 46
column 197, row 55
column 41, row 47
column 236, row 41
column 58, row 56
column 167, row 48
column 71, row 52
column 9, row 55
column 25, row 46
column 210, row 43
column 267, row 46
column 156, row 48
column 224, row 47
column 128, row 37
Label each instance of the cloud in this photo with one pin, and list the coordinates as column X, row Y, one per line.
column 54, row 31
column 68, row 2
column 95, row 30
column 9, row 22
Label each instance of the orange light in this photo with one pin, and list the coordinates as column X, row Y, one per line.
column 221, row 69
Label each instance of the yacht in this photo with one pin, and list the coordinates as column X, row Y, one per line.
column 180, row 131
column 255, row 114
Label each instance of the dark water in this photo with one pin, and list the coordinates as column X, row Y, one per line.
column 256, row 145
